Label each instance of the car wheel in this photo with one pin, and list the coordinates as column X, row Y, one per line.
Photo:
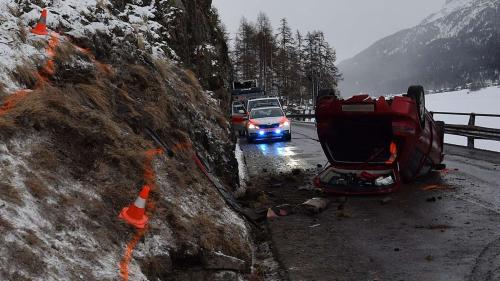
column 288, row 137
column 249, row 139
column 417, row 94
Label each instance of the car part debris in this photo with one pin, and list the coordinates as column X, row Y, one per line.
column 385, row 200
column 384, row 181
column 315, row 205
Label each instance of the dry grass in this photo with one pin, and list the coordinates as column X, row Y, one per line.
column 31, row 239
column 15, row 10
column 35, row 186
column 5, row 225
column 209, row 233
column 26, row 259
column 10, row 194
column 25, row 74
column 65, row 52
column 22, row 32
column 95, row 128
column 43, row 158
column 3, row 93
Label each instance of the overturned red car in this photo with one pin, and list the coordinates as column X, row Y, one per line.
column 373, row 144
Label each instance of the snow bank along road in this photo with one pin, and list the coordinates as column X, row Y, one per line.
column 444, row 227
column 482, row 101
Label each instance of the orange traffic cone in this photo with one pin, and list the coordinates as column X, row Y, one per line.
column 135, row 213
column 41, row 26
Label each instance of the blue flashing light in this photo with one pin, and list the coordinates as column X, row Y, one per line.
column 278, row 131
column 261, row 133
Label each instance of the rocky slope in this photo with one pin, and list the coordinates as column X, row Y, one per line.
column 77, row 108
column 456, row 46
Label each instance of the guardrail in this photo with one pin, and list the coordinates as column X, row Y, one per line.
column 471, row 131
column 302, row 117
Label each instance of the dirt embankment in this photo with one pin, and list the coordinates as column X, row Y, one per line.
column 74, row 150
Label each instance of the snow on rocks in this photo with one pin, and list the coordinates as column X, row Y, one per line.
column 80, row 19
column 34, row 234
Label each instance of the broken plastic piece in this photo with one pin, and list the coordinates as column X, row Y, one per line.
column 384, row 181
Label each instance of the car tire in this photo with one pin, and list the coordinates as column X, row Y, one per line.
column 288, row 137
column 249, row 139
column 417, row 94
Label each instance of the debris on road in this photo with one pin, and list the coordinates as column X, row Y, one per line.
column 314, row 226
column 280, row 211
column 284, row 210
column 435, row 187
column 343, row 214
column 433, row 226
column 315, row 205
column 271, row 214
column 385, row 200
column 220, row 261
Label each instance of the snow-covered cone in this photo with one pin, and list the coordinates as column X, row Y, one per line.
column 41, row 26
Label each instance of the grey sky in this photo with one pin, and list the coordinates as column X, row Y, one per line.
column 349, row 25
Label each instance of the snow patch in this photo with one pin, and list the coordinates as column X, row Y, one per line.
column 242, row 170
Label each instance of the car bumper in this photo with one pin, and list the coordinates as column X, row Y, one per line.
column 268, row 133
column 337, row 180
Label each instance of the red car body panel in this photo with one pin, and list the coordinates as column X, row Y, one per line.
column 364, row 134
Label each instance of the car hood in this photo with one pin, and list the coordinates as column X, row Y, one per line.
column 268, row 121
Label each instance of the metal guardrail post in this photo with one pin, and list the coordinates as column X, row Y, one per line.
column 472, row 122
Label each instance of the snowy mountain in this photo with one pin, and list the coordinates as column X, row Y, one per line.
column 453, row 47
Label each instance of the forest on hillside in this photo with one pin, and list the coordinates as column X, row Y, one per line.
column 286, row 63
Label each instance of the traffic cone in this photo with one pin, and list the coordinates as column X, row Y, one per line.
column 41, row 26
column 135, row 213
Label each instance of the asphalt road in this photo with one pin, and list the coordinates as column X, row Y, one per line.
column 445, row 234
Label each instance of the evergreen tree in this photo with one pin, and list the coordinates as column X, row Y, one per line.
column 295, row 68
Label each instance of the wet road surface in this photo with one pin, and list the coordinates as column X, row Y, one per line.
column 444, row 234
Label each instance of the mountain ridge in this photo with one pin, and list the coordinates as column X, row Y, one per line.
column 446, row 49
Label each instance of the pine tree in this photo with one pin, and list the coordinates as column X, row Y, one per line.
column 244, row 55
column 285, row 55
column 295, row 68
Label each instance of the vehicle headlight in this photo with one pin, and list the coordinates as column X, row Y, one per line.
column 252, row 126
column 284, row 124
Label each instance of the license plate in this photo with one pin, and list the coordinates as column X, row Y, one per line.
column 358, row 107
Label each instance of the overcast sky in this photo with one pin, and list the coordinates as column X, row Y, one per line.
column 349, row 25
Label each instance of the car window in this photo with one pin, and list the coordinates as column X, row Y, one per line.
column 238, row 108
column 263, row 103
column 265, row 113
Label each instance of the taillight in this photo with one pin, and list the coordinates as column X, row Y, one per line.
column 393, row 149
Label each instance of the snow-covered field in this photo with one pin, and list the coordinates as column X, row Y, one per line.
column 483, row 101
